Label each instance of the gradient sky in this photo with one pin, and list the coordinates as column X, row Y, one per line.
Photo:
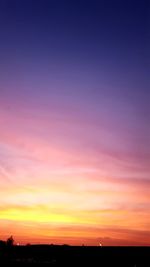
column 74, row 122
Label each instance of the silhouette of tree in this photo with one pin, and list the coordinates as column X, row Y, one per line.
column 10, row 241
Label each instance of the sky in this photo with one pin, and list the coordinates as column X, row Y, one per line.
column 74, row 122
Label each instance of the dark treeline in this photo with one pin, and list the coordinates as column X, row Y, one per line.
column 65, row 255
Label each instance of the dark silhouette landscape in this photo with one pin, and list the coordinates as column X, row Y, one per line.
column 65, row 255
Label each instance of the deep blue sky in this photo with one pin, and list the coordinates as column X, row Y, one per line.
column 105, row 38
column 91, row 55
column 76, row 50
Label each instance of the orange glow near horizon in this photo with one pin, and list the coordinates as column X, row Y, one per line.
column 65, row 180
column 56, row 194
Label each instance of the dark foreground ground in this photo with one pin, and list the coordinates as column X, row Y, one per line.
column 50, row 255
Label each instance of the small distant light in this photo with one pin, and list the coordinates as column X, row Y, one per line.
column 18, row 244
column 100, row 244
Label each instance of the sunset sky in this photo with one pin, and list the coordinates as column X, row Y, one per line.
column 75, row 122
